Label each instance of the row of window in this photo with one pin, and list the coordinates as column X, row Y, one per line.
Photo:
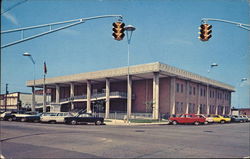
column 179, row 108
column 212, row 93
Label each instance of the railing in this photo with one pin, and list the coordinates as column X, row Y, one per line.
column 116, row 94
column 123, row 115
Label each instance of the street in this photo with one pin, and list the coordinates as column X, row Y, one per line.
column 32, row 140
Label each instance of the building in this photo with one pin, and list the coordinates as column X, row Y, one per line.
column 240, row 111
column 18, row 101
column 154, row 88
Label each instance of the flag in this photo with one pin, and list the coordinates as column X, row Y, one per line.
column 45, row 68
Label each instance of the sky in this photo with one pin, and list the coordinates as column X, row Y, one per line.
column 166, row 32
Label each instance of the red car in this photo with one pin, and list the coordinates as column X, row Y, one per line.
column 188, row 119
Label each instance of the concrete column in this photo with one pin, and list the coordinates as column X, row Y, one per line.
column 198, row 98
column 224, row 110
column 88, row 96
column 44, row 97
column 156, row 95
column 187, row 96
column 33, row 100
column 172, row 94
column 57, row 94
column 208, row 107
column 107, row 98
column 129, row 96
column 72, row 94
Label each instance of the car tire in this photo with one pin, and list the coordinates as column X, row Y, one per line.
column 36, row 120
column 205, row 123
column 174, row 122
column 98, row 122
column 23, row 119
column 52, row 122
column 10, row 119
column 73, row 122
column 196, row 123
column 222, row 121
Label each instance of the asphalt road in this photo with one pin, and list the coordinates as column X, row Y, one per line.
column 32, row 140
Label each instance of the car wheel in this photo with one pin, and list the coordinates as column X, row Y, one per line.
column 52, row 122
column 23, row 119
column 98, row 122
column 73, row 122
column 196, row 123
column 36, row 121
column 174, row 122
column 222, row 121
column 10, row 119
column 205, row 122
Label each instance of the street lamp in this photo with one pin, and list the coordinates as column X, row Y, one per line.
column 33, row 88
column 208, row 107
column 129, row 31
column 241, row 81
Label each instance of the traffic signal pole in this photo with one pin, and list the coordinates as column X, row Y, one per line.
column 241, row 25
column 73, row 23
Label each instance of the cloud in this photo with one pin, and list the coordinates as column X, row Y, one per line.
column 11, row 18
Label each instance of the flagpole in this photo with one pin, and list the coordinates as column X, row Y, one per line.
column 44, row 88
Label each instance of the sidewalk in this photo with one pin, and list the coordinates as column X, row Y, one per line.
column 124, row 123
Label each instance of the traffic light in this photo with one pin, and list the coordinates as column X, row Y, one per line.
column 118, row 31
column 205, row 32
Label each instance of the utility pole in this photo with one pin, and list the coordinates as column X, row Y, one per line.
column 6, row 93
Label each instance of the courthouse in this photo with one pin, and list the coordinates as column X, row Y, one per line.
column 154, row 88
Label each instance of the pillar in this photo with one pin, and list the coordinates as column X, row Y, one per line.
column 57, row 94
column 208, row 107
column 88, row 96
column 72, row 94
column 187, row 96
column 107, row 98
column 198, row 99
column 129, row 96
column 33, row 99
column 156, row 95
column 172, row 94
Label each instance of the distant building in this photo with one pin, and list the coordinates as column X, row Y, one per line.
column 19, row 101
column 240, row 111
column 153, row 88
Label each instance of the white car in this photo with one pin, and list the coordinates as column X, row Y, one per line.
column 55, row 117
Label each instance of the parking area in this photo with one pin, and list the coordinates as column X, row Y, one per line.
column 22, row 140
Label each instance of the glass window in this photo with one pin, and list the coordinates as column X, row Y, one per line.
column 177, row 87
column 181, row 88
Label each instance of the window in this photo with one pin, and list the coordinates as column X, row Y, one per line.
column 190, row 90
column 194, row 90
column 181, row 88
column 177, row 87
column 201, row 92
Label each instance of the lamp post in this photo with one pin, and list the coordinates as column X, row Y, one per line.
column 33, row 88
column 241, row 81
column 129, row 31
column 208, row 107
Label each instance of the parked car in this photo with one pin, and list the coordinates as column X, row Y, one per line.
column 30, row 117
column 5, row 115
column 84, row 118
column 246, row 117
column 187, row 119
column 54, row 117
column 237, row 118
column 218, row 119
column 24, row 116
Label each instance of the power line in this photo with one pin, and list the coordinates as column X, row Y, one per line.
column 17, row 4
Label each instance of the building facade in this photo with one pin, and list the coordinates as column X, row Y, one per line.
column 19, row 101
column 149, row 88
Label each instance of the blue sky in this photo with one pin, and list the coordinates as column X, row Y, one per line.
column 166, row 31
